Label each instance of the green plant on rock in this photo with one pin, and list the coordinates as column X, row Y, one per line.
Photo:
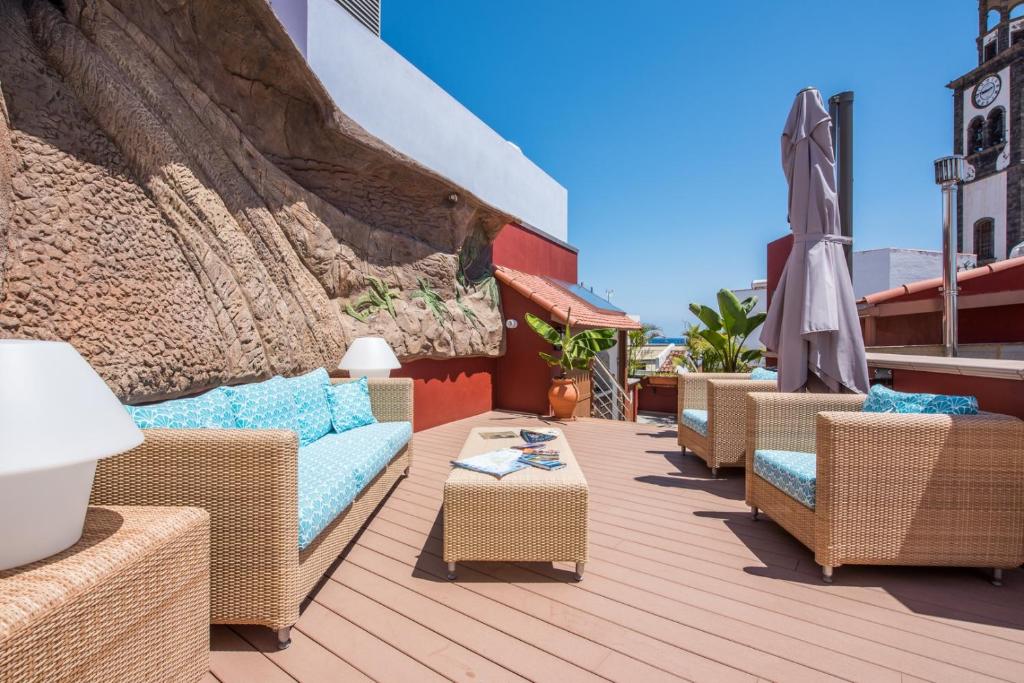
column 434, row 302
column 466, row 310
column 726, row 331
column 577, row 350
column 379, row 297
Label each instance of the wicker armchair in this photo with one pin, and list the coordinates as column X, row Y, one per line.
column 724, row 397
column 248, row 481
column 894, row 489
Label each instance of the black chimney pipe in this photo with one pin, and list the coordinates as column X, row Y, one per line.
column 840, row 108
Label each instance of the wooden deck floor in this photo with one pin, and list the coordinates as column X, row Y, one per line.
column 681, row 584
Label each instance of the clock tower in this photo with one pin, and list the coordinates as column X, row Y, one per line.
column 987, row 129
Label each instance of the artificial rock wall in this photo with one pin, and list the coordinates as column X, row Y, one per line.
column 182, row 201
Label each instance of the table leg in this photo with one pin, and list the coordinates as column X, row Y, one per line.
column 579, row 571
column 451, row 571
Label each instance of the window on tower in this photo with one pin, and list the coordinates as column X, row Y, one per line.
column 997, row 126
column 985, row 240
column 991, row 49
column 976, row 135
column 992, row 19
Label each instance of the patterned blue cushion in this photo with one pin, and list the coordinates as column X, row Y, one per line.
column 764, row 374
column 264, row 405
column 883, row 400
column 310, row 392
column 336, row 467
column 212, row 410
column 350, row 405
column 697, row 420
column 792, row 472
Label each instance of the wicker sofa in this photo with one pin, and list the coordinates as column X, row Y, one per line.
column 248, row 481
column 719, row 400
column 889, row 489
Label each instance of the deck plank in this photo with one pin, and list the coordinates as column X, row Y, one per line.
column 681, row 584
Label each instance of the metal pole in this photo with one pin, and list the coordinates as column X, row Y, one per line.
column 841, row 107
column 949, row 173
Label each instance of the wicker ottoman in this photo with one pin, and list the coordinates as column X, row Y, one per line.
column 527, row 516
column 129, row 602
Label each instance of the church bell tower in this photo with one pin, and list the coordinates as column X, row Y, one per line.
column 987, row 130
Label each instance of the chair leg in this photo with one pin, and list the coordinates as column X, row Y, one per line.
column 997, row 577
column 405, row 472
column 714, row 473
column 579, row 571
column 284, row 637
column 754, row 512
column 826, row 573
column 451, row 571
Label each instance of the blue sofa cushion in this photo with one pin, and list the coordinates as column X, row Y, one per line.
column 764, row 374
column 336, row 467
column 350, row 405
column 883, row 400
column 310, row 394
column 697, row 420
column 264, row 405
column 792, row 472
column 212, row 410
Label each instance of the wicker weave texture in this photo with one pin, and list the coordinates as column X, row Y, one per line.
column 129, row 602
column 248, row 481
column 723, row 395
column 895, row 489
column 528, row 516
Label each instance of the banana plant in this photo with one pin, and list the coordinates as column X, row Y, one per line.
column 379, row 297
column 577, row 350
column 728, row 328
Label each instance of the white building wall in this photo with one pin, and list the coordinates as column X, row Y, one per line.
column 396, row 102
column 760, row 290
column 876, row 270
column 986, row 198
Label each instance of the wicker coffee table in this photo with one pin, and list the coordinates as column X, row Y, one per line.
column 528, row 516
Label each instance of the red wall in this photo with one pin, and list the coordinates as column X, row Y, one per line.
column 658, row 397
column 448, row 390
column 526, row 251
column 778, row 253
column 994, row 395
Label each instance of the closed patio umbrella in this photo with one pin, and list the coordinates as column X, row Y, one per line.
column 812, row 322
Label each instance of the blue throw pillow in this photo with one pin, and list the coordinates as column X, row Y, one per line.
column 212, row 410
column 264, row 405
column 310, row 393
column 764, row 374
column 883, row 400
column 350, row 405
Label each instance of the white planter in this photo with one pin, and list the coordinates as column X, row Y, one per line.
column 42, row 511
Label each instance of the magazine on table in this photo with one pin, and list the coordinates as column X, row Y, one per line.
column 533, row 436
column 496, row 463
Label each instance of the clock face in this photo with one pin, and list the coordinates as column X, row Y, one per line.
column 987, row 91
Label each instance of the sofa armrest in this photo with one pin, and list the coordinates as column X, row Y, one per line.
column 248, row 481
column 915, row 487
column 693, row 389
column 727, row 411
column 391, row 398
column 787, row 422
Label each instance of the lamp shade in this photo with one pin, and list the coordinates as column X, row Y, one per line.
column 369, row 357
column 55, row 410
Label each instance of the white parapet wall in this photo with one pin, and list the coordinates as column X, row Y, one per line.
column 396, row 102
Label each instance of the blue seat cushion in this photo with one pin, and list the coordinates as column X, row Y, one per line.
column 264, row 405
column 697, row 420
column 884, row 400
column 792, row 472
column 310, row 394
column 350, row 405
column 764, row 374
column 212, row 410
column 336, row 467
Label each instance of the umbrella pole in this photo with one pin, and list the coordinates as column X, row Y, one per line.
column 949, row 172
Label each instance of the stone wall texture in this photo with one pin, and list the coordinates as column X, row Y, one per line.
column 182, row 201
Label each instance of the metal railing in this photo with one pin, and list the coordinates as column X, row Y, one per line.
column 608, row 400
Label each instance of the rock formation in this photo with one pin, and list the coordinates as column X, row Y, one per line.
column 181, row 199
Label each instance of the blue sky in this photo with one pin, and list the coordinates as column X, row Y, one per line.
column 662, row 119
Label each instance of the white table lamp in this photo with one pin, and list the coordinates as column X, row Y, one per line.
column 57, row 418
column 369, row 357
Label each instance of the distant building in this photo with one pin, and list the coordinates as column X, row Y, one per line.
column 987, row 129
column 876, row 270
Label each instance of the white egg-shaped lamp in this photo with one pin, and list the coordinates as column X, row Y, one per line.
column 369, row 357
column 57, row 418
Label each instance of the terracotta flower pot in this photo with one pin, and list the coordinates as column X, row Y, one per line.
column 563, row 397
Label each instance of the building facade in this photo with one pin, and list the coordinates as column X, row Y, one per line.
column 988, row 129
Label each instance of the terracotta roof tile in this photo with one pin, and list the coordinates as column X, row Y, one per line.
column 557, row 300
column 936, row 282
